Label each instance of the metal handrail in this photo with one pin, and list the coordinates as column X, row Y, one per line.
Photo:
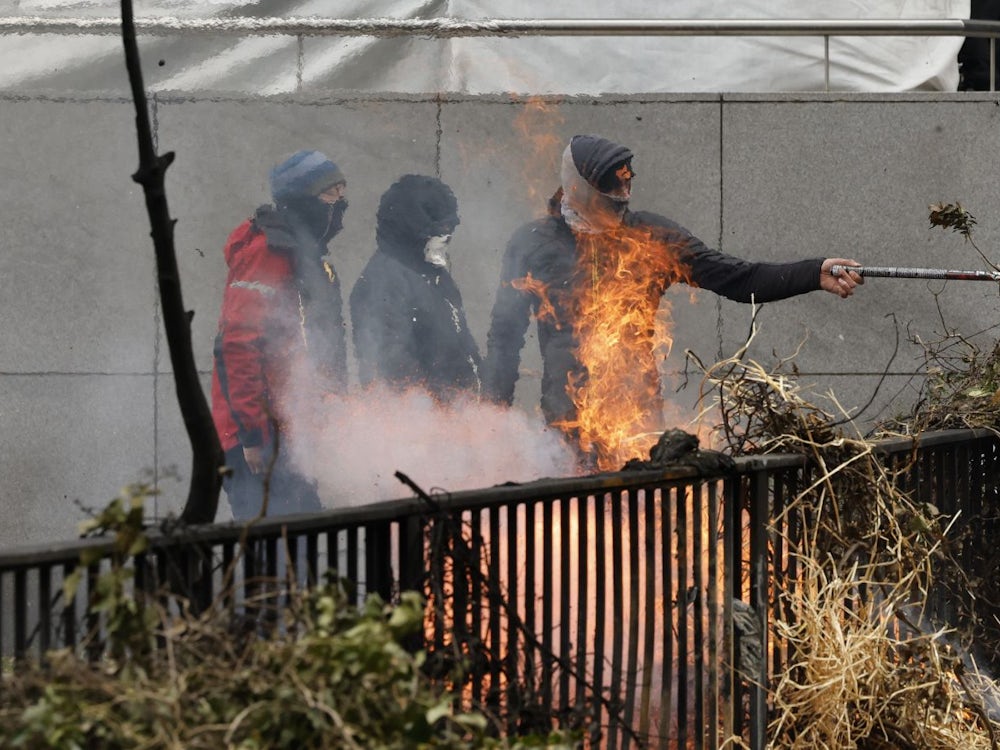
column 459, row 27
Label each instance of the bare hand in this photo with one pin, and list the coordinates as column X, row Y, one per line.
column 842, row 284
column 255, row 458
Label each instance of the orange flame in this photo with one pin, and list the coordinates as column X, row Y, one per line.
column 546, row 310
column 623, row 333
column 538, row 125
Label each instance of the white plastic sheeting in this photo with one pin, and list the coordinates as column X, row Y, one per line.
column 591, row 65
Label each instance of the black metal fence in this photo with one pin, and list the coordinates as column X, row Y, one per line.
column 634, row 587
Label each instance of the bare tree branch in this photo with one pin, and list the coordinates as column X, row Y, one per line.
column 206, row 478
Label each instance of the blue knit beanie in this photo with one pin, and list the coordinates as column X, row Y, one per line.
column 303, row 174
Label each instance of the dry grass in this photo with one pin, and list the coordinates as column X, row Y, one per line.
column 866, row 669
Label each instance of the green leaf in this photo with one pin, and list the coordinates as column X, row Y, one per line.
column 472, row 721
column 441, row 710
column 978, row 392
column 71, row 583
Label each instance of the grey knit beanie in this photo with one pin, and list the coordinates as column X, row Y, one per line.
column 305, row 173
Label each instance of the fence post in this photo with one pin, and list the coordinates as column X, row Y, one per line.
column 378, row 563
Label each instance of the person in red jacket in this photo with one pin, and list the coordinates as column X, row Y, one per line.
column 281, row 338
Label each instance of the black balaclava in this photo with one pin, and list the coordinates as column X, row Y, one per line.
column 322, row 220
column 413, row 210
column 296, row 184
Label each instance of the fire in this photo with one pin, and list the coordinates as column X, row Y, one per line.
column 546, row 310
column 622, row 333
column 538, row 124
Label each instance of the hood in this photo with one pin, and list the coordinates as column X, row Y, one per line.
column 413, row 209
column 589, row 176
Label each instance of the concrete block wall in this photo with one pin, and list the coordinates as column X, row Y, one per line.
column 87, row 401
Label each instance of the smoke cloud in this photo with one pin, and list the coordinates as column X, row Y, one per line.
column 354, row 445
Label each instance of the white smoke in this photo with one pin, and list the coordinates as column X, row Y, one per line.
column 354, row 445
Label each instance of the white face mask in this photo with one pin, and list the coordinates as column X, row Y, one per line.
column 436, row 250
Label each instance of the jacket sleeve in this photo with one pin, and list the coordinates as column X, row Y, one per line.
column 737, row 279
column 508, row 323
column 246, row 303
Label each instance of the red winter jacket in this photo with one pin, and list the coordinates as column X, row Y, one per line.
column 264, row 334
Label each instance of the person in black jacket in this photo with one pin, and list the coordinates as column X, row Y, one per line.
column 974, row 56
column 560, row 269
column 407, row 317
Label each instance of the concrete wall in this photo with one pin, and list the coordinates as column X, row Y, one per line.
column 86, row 395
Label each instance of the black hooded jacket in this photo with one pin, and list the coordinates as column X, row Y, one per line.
column 551, row 253
column 407, row 317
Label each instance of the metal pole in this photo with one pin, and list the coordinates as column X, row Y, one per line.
column 896, row 272
column 993, row 63
column 826, row 60
column 461, row 27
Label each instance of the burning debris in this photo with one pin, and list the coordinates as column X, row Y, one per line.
column 677, row 448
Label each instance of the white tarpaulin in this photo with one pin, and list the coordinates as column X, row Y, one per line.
column 595, row 65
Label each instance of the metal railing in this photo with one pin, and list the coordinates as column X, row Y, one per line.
column 455, row 27
column 624, row 586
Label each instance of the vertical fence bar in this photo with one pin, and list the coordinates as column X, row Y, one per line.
column 3, row 616
column 733, row 576
column 583, row 562
column 697, row 601
column 714, row 663
column 547, row 623
column 45, row 606
column 493, row 698
column 352, row 557
column 600, row 602
column 565, row 600
column 680, row 608
column 668, row 502
column 20, row 613
column 513, row 637
column 93, row 636
column 777, row 568
column 963, row 485
column 378, row 556
column 794, row 528
column 617, row 603
column 228, row 583
column 480, row 598
column 461, row 593
column 759, row 486
column 530, row 596
column 206, row 584
column 312, row 558
column 412, row 563
column 649, row 608
column 69, row 611
column 631, row 668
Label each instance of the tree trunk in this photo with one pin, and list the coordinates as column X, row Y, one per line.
column 207, row 460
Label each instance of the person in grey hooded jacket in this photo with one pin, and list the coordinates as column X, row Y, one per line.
column 556, row 267
column 407, row 317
